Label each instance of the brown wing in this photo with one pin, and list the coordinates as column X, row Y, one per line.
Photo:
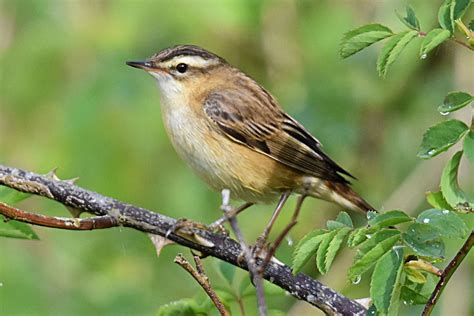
column 262, row 126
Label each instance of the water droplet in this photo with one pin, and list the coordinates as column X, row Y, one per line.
column 445, row 212
column 423, row 56
column 357, row 280
column 426, row 220
column 432, row 151
column 368, row 236
column 405, row 302
column 444, row 113
column 289, row 240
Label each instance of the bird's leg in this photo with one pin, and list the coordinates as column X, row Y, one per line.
column 263, row 237
column 283, row 234
column 232, row 213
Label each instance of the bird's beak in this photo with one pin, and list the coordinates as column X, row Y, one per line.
column 145, row 65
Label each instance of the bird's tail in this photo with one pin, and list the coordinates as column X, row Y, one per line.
column 342, row 194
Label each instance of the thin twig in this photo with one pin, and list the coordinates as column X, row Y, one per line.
column 456, row 40
column 219, row 246
column 447, row 273
column 249, row 258
column 98, row 222
column 199, row 275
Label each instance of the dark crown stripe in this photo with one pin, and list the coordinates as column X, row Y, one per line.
column 186, row 50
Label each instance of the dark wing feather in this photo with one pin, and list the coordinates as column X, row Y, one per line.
column 262, row 126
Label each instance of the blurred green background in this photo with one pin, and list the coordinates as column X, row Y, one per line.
column 68, row 100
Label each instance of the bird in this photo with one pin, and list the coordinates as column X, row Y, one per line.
column 235, row 135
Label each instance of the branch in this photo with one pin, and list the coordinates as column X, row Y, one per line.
column 99, row 222
column 222, row 247
column 447, row 273
column 199, row 275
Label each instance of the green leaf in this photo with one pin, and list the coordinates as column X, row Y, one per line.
column 334, row 247
column 469, row 146
column 392, row 49
column 437, row 200
column 372, row 252
column 342, row 220
column 447, row 223
column 323, row 250
column 389, row 218
column 410, row 19
column 306, row 248
column 11, row 196
column 446, row 15
column 357, row 236
column 14, row 229
column 440, row 137
column 471, row 25
column 227, row 271
column 374, row 240
column 183, row 307
column 362, row 37
column 433, row 39
column 460, row 8
column 424, row 240
column 384, row 285
column 412, row 297
column 455, row 101
column 415, row 276
column 450, row 187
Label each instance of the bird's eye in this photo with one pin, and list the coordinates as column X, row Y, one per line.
column 181, row 67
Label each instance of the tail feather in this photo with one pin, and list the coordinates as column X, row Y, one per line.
column 342, row 194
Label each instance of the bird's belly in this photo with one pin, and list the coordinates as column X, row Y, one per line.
column 223, row 163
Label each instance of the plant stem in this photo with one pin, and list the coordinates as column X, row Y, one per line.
column 447, row 274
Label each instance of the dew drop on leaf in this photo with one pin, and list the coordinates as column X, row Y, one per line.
column 423, row 56
column 426, row 220
column 289, row 240
column 357, row 280
column 444, row 113
column 431, row 152
column 445, row 212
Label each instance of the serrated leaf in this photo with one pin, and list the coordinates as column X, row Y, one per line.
column 334, row 247
column 412, row 297
column 306, row 248
column 376, row 250
column 410, row 19
column 362, row 37
column 455, row 101
column 384, row 285
column 392, row 49
column 450, row 187
column 460, row 8
column 469, row 146
column 323, row 250
column 342, row 220
column 389, row 218
column 448, row 223
column 374, row 240
column 424, row 240
column 14, row 229
column 183, row 307
column 433, row 39
column 437, row 200
column 357, row 236
column 446, row 15
column 440, row 137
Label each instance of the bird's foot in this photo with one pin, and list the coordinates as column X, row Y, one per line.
column 188, row 229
